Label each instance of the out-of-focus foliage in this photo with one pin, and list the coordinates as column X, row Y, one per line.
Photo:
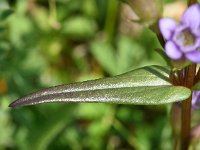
column 49, row 42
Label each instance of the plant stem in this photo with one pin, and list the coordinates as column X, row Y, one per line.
column 52, row 9
column 186, row 109
column 111, row 19
column 186, row 105
column 185, row 123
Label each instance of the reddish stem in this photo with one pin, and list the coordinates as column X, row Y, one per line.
column 186, row 108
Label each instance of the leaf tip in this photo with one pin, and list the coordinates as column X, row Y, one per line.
column 13, row 104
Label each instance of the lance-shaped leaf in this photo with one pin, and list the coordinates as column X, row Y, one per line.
column 145, row 86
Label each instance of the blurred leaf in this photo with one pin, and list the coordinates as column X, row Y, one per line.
column 2, row 29
column 50, row 129
column 41, row 19
column 145, row 86
column 197, row 86
column 90, row 8
column 6, row 126
column 149, row 41
column 163, row 55
column 129, row 54
column 79, row 27
column 89, row 111
column 5, row 10
column 105, row 55
column 168, row 1
column 4, row 14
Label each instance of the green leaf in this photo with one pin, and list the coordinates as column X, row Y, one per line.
column 79, row 27
column 2, row 29
column 125, row 55
column 51, row 128
column 145, row 86
column 4, row 14
column 5, row 10
column 105, row 55
column 197, row 86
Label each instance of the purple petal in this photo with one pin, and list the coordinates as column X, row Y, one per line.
column 167, row 27
column 190, row 48
column 172, row 50
column 191, row 16
column 193, row 56
column 196, row 32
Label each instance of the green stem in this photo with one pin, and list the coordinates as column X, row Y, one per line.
column 186, row 108
column 52, row 10
column 53, row 21
column 111, row 19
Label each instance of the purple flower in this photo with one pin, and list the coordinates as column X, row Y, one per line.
column 183, row 39
column 196, row 99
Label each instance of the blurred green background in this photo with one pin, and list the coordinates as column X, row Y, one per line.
column 50, row 42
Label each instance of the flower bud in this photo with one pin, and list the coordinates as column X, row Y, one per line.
column 148, row 11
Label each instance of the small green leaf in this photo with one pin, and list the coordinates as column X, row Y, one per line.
column 125, row 55
column 145, row 86
column 5, row 10
column 79, row 27
column 105, row 55
column 4, row 14
column 197, row 86
column 50, row 130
